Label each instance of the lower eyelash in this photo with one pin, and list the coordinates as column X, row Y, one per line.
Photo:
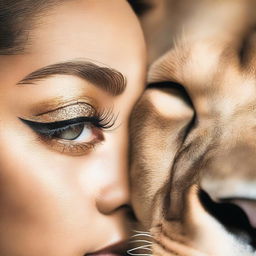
column 68, row 147
column 76, row 148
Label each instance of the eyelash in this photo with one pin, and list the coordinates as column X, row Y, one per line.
column 102, row 120
column 105, row 119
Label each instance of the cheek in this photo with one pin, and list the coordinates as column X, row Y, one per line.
column 39, row 202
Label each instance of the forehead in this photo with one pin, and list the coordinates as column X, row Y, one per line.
column 106, row 33
column 96, row 30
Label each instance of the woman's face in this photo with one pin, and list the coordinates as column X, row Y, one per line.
column 64, row 109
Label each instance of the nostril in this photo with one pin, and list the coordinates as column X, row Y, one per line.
column 230, row 215
column 112, row 198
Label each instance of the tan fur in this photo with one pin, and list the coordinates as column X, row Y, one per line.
column 208, row 47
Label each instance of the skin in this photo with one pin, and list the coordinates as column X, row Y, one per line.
column 60, row 203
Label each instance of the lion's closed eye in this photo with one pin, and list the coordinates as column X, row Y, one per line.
column 170, row 101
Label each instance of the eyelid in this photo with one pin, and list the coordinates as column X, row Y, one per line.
column 47, row 125
column 50, row 126
column 181, row 92
column 167, row 85
column 104, row 119
column 73, row 110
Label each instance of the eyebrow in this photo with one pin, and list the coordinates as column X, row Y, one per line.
column 107, row 79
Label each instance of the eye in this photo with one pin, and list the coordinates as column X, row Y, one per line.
column 76, row 132
column 175, row 100
column 74, row 136
column 172, row 88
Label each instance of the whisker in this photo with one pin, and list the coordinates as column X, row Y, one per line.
column 138, row 254
column 138, row 231
column 140, row 241
column 141, row 247
column 147, row 235
column 145, row 247
column 133, row 251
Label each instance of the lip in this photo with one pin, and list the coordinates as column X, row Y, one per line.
column 248, row 206
column 236, row 214
column 117, row 249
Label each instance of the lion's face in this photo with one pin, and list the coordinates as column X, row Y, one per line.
column 193, row 134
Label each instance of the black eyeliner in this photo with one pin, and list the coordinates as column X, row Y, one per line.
column 53, row 126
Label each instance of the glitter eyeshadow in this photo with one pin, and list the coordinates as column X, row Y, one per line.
column 72, row 111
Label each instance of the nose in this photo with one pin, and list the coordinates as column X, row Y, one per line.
column 114, row 194
column 113, row 197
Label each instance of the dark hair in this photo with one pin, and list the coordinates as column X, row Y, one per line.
column 17, row 18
